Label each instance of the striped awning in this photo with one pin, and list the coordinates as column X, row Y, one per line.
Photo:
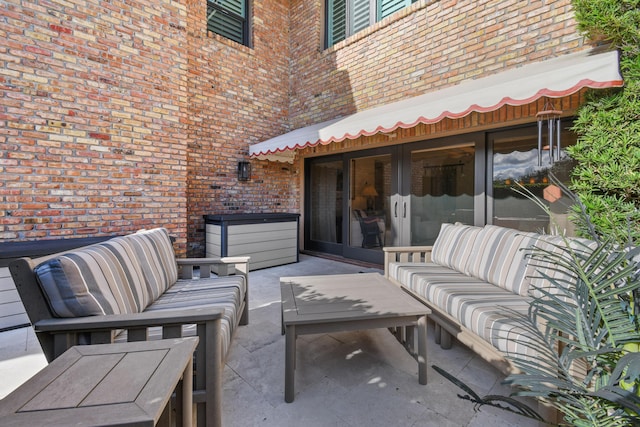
column 553, row 78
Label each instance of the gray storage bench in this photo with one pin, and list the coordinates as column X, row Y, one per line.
column 270, row 239
column 133, row 288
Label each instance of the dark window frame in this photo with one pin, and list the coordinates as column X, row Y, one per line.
column 346, row 9
column 242, row 21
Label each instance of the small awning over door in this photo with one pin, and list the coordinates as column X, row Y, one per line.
column 553, row 78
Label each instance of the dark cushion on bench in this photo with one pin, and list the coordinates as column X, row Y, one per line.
column 91, row 281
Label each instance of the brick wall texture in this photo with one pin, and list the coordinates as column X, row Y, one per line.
column 116, row 116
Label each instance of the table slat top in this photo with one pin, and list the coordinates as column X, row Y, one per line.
column 131, row 381
column 336, row 298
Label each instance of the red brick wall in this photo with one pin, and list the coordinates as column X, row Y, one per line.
column 116, row 116
column 92, row 118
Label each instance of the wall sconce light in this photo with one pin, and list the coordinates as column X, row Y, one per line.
column 244, row 171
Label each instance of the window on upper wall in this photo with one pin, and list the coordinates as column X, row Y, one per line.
column 229, row 19
column 347, row 17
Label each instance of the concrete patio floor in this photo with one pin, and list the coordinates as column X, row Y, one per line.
column 342, row 379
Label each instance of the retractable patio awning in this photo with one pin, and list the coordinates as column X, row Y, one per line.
column 553, row 78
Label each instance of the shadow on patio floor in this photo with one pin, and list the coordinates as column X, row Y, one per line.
column 354, row 379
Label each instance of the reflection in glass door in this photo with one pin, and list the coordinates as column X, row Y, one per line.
column 369, row 197
column 441, row 190
column 515, row 161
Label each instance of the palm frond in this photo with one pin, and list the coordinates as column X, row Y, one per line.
column 585, row 411
column 582, row 311
column 589, row 307
column 620, row 397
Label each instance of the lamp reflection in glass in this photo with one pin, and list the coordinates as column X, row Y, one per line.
column 244, row 171
column 369, row 191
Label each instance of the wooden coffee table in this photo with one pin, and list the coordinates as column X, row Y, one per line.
column 346, row 302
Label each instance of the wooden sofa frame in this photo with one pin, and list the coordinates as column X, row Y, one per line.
column 56, row 334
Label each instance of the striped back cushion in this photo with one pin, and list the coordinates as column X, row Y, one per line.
column 453, row 246
column 500, row 258
column 122, row 248
column 89, row 281
column 154, row 252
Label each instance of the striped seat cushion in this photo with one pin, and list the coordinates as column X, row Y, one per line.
column 500, row 257
column 226, row 293
column 407, row 272
column 453, row 246
column 91, row 281
column 480, row 307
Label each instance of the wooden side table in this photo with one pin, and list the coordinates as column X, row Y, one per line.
column 108, row 384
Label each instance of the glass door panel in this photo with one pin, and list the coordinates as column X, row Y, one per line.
column 515, row 161
column 369, row 200
column 325, row 203
column 441, row 190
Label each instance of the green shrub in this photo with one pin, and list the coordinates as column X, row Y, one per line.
column 607, row 176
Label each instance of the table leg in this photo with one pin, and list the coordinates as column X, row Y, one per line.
column 289, row 362
column 409, row 343
column 422, row 350
column 187, row 395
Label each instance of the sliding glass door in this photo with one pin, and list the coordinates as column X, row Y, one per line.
column 368, row 228
column 347, row 203
column 359, row 202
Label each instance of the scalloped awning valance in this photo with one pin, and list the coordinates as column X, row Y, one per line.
column 553, row 78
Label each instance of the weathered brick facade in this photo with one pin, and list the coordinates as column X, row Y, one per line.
column 121, row 115
column 93, row 118
column 117, row 116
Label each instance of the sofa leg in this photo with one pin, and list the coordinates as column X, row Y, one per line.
column 437, row 332
column 208, row 375
column 244, row 318
column 445, row 339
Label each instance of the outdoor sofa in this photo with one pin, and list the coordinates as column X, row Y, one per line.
column 474, row 279
column 133, row 288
